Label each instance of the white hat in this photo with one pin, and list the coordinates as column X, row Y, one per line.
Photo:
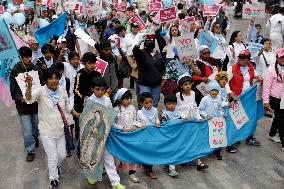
column 183, row 78
column 120, row 93
column 54, row 17
column 202, row 47
column 61, row 39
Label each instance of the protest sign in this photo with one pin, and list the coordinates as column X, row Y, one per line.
column 2, row 9
column 101, row 66
column 154, row 7
column 186, row 48
column 18, row 2
column 211, row 11
column 185, row 25
column 217, row 132
column 120, row 5
column 167, row 14
column 251, row 10
column 259, row 92
column 138, row 20
column 203, row 88
column 238, row 114
column 207, row 39
column 22, row 84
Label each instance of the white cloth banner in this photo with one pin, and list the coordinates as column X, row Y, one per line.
column 85, row 37
column 238, row 114
column 217, row 132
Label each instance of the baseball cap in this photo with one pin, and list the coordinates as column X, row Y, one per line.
column 115, row 20
column 280, row 52
column 134, row 25
column 244, row 53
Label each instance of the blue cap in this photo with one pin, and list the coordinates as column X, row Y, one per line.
column 213, row 85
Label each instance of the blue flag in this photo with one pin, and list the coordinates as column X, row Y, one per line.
column 9, row 56
column 207, row 39
column 179, row 142
column 55, row 28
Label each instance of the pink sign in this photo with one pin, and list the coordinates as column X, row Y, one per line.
column 2, row 10
column 155, row 1
column 120, row 6
column 211, row 11
column 154, row 7
column 167, row 14
column 101, row 66
column 189, row 19
column 138, row 20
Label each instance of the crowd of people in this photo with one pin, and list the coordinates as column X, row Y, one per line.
column 67, row 72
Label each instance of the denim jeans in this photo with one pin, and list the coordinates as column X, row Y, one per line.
column 154, row 91
column 29, row 125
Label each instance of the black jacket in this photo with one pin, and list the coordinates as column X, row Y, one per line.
column 150, row 68
column 82, row 88
column 16, row 93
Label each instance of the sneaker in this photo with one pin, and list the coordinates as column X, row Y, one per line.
column 58, row 169
column 173, row 173
column 201, row 166
column 91, row 181
column 53, row 183
column 36, row 142
column 252, row 142
column 118, row 186
column 218, row 156
column 151, row 175
column 133, row 178
column 231, row 149
column 30, row 157
column 68, row 153
column 275, row 139
column 283, row 149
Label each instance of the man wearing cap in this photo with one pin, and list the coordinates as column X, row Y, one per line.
column 112, row 30
column 130, row 40
column 241, row 75
column 37, row 54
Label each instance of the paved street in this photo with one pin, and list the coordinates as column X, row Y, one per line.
column 251, row 167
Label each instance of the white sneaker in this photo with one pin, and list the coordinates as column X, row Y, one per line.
column 133, row 178
column 274, row 139
column 283, row 149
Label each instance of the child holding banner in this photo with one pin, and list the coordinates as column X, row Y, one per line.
column 273, row 96
column 126, row 120
column 186, row 106
column 148, row 115
column 227, row 96
column 98, row 87
column 211, row 106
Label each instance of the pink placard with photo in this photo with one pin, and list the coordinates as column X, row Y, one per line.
column 154, row 7
column 167, row 14
column 138, row 20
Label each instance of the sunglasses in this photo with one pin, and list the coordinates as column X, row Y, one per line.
column 243, row 57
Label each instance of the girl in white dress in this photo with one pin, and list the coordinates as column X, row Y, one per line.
column 126, row 120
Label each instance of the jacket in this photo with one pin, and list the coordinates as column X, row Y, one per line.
column 237, row 82
column 82, row 88
column 150, row 67
column 16, row 93
column 110, row 74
